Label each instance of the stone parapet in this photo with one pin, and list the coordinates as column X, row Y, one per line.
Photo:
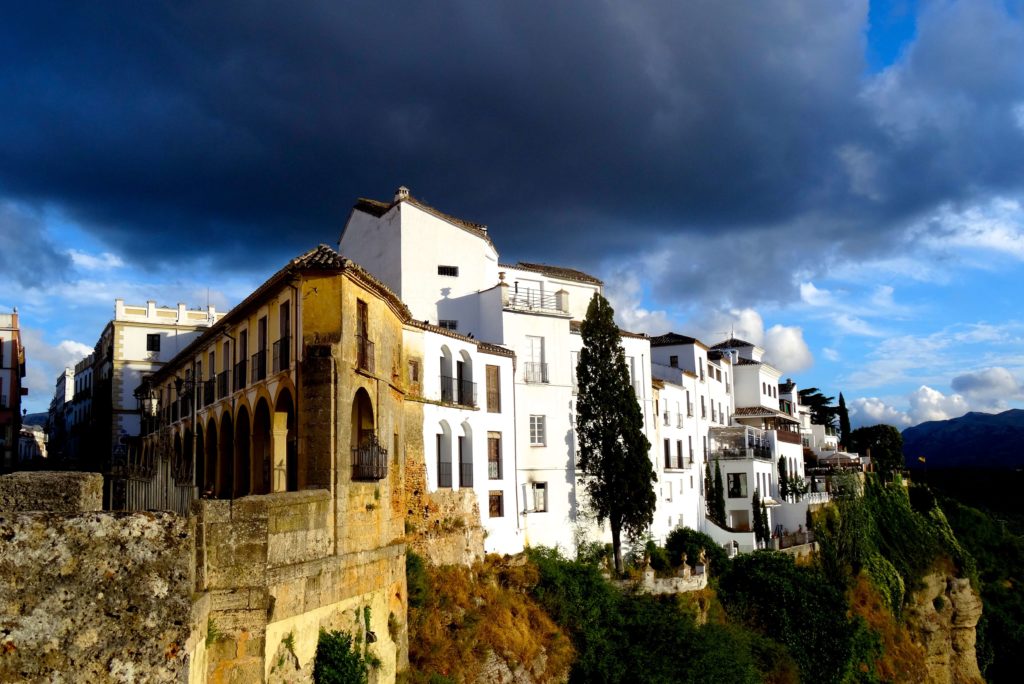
column 51, row 491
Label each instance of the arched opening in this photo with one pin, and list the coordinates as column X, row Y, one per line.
column 243, row 471
column 465, row 388
column 284, row 417
column 226, row 459
column 444, row 455
column 447, row 378
column 369, row 457
column 212, row 462
column 466, row 456
column 261, row 448
column 197, row 451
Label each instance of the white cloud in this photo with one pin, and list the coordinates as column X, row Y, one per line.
column 852, row 325
column 814, row 296
column 861, row 166
column 625, row 293
column 931, row 404
column 44, row 361
column 995, row 384
column 872, row 410
column 830, row 354
column 94, row 262
column 786, row 349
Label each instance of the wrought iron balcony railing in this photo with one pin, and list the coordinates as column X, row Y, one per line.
column 535, row 372
column 282, row 354
column 369, row 460
column 223, row 388
column 208, row 394
column 456, row 391
column 526, row 299
column 259, row 365
column 465, row 475
column 240, row 369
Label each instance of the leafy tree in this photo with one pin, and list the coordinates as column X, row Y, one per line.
column 684, row 540
column 613, row 457
column 844, row 420
column 822, row 410
column 338, row 660
column 719, row 512
column 885, row 443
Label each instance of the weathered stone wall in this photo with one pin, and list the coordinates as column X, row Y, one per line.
column 56, row 492
column 444, row 526
column 942, row 616
column 97, row 597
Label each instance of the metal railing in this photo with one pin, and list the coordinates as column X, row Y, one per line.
column 535, row 372
column 679, row 420
column 240, row 368
column 364, row 354
column 689, row 410
column 761, row 453
column 208, row 388
column 527, row 299
column 444, row 473
column 788, row 436
column 465, row 474
column 282, row 354
column 223, row 389
column 665, row 418
column 369, row 460
column 259, row 365
column 494, row 470
column 458, row 391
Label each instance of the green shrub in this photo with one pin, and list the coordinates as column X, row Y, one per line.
column 685, row 540
column 338, row 660
column 416, row 580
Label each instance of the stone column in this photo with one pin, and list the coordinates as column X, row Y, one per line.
column 279, row 452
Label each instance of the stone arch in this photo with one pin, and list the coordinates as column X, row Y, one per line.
column 443, row 450
column 286, row 460
column 465, row 452
column 226, row 458
column 447, row 375
column 242, row 456
column 212, row 458
column 260, row 448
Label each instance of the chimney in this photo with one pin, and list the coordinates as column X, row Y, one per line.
column 402, row 193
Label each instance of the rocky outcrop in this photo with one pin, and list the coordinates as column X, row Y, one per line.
column 942, row 616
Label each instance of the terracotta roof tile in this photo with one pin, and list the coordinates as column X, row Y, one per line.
column 732, row 343
column 555, row 272
column 669, row 339
column 574, row 327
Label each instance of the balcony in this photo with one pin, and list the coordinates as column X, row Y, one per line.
column 259, row 365
column 240, row 368
column 465, row 475
column 208, row 396
column 364, row 354
column 526, row 299
column 788, row 436
column 457, row 391
column 761, row 453
column 223, row 389
column 666, row 418
column 740, row 443
column 679, row 420
column 282, row 354
column 369, row 461
column 689, row 410
column 535, row 372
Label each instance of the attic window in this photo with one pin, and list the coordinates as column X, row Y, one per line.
column 673, row 361
column 452, row 271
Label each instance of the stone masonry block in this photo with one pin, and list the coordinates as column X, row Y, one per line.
column 55, row 492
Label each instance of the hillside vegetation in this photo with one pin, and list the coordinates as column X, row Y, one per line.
column 852, row 615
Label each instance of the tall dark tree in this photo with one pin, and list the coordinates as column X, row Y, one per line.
column 719, row 512
column 844, row 421
column 613, row 451
column 885, row 444
column 783, row 478
column 709, row 491
column 822, row 410
column 759, row 524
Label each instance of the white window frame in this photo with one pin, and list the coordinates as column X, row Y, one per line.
column 538, row 430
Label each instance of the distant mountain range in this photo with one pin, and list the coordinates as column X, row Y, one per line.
column 34, row 419
column 974, row 440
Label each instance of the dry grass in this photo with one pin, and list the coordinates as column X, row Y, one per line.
column 902, row 659
column 473, row 612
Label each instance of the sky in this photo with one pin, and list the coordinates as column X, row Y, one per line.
column 840, row 182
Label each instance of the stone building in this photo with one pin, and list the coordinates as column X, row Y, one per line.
column 12, row 371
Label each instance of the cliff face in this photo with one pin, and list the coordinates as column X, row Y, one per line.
column 942, row 617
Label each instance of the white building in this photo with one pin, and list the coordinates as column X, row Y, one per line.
column 60, row 412
column 447, row 271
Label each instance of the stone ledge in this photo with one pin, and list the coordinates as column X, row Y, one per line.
column 51, row 491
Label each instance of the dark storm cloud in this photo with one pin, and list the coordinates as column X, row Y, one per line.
column 248, row 129
column 27, row 255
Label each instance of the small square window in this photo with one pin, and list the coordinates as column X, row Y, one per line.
column 448, row 324
column 153, row 342
column 673, row 361
column 540, row 496
column 414, row 370
column 537, row 431
column 496, row 504
column 451, row 271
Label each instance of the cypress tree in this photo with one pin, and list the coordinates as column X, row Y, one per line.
column 844, row 421
column 709, row 491
column 783, row 479
column 613, row 450
column 765, row 524
column 719, row 515
column 755, row 505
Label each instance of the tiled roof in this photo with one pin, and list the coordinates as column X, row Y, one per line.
column 732, row 343
column 761, row 412
column 320, row 256
column 746, row 362
column 574, row 327
column 486, row 347
column 555, row 272
column 378, row 209
column 669, row 339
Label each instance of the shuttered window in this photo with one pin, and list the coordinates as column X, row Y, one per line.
column 494, row 455
column 493, row 389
